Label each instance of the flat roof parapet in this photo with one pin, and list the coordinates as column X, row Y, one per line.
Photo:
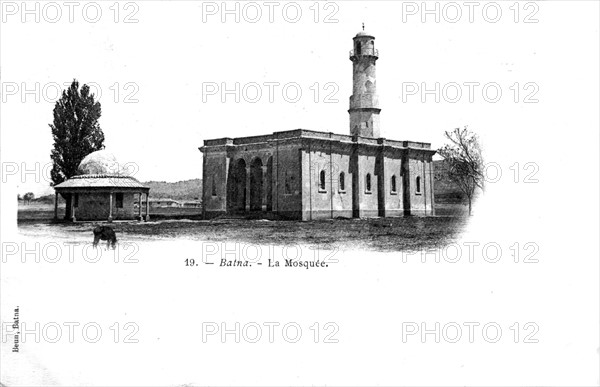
column 252, row 139
column 416, row 144
column 305, row 133
column 219, row 141
column 287, row 134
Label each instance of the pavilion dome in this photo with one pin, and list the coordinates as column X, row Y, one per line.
column 101, row 162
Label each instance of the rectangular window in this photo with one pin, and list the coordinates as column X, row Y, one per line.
column 119, row 199
column 75, row 200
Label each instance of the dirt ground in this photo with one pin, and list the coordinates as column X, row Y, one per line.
column 380, row 234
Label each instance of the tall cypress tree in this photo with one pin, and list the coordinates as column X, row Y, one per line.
column 76, row 132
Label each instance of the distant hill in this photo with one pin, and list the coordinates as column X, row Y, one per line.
column 445, row 190
column 181, row 190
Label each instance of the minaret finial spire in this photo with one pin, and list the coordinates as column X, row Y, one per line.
column 363, row 26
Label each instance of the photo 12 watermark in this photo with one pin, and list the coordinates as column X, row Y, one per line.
column 240, row 254
column 70, row 12
column 476, row 252
column 37, row 172
column 51, row 92
column 270, row 11
column 29, row 252
column 470, row 91
column 270, row 92
column 21, row 333
column 270, row 332
column 489, row 12
column 469, row 332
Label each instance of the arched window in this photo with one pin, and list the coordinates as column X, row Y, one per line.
column 394, row 183
column 214, row 187
column 368, row 182
column 322, row 180
column 342, row 181
column 418, row 184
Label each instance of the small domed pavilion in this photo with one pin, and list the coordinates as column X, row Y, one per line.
column 103, row 190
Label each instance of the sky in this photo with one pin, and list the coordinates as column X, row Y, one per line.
column 160, row 69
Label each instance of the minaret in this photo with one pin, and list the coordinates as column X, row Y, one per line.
column 364, row 103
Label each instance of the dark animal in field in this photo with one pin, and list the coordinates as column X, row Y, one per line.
column 107, row 234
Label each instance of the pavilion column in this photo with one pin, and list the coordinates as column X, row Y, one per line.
column 140, row 207
column 110, row 206
column 73, row 218
column 55, row 205
column 431, row 190
column 248, row 188
column 147, row 218
column 264, row 189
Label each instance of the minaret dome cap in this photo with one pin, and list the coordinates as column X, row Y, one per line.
column 363, row 34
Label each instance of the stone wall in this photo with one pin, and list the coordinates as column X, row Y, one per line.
column 420, row 175
column 288, row 179
column 216, row 166
column 95, row 206
column 392, row 199
column 323, row 196
column 297, row 175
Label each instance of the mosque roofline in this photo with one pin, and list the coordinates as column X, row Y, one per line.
column 313, row 134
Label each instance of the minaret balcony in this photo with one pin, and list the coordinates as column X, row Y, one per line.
column 364, row 52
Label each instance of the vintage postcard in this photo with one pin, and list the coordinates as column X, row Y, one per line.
column 291, row 193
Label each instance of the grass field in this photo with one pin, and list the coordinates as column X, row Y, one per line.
column 381, row 234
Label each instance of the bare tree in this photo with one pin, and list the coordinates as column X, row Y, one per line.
column 465, row 162
column 28, row 197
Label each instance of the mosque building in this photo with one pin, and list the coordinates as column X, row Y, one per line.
column 305, row 175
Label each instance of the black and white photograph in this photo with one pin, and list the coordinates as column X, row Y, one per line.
column 299, row 193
